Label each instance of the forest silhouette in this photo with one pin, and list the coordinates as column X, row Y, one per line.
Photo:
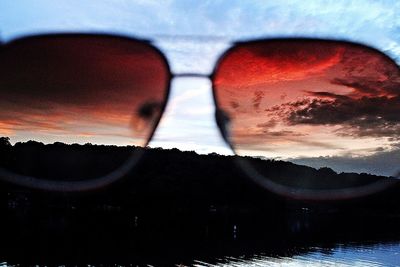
column 66, row 162
column 165, row 175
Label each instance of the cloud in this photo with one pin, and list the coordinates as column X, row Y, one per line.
column 266, row 136
column 367, row 116
column 370, row 108
column 275, row 61
column 258, row 96
column 269, row 124
column 383, row 162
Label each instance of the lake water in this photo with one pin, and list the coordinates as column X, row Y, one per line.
column 119, row 239
column 366, row 255
column 341, row 255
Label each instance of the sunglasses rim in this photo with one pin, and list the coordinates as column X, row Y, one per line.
column 130, row 162
column 239, row 44
column 164, row 61
column 285, row 191
column 267, row 184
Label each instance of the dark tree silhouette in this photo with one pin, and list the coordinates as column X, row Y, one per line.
column 5, row 141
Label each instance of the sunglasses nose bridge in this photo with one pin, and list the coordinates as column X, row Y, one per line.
column 191, row 75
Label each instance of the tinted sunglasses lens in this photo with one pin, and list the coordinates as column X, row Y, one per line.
column 315, row 103
column 83, row 89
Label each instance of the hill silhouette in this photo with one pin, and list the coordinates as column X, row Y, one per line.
column 68, row 162
column 169, row 176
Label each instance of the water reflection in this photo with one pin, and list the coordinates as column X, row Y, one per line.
column 341, row 255
column 366, row 255
column 135, row 245
column 53, row 230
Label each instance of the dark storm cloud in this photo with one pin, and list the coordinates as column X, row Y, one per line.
column 372, row 108
column 347, row 110
column 366, row 116
column 390, row 86
column 327, row 95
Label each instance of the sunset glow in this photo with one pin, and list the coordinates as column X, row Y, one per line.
column 81, row 89
column 304, row 98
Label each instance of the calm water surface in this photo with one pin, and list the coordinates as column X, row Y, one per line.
column 385, row 254
column 296, row 238
column 342, row 255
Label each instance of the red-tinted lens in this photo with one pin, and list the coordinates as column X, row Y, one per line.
column 313, row 102
column 80, row 89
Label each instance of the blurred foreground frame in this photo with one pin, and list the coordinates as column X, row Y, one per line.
column 260, row 60
column 307, row 96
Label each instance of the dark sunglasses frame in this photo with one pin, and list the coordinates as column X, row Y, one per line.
column 221, row 119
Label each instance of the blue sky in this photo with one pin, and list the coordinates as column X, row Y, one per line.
column 372, row 22
column 192, row 34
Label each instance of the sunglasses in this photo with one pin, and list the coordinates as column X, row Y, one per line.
column 275, row 98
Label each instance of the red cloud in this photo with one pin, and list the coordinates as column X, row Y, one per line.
column 275, row 61
column 352, row 87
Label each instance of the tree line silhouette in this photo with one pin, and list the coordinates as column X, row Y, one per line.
column 168, row 177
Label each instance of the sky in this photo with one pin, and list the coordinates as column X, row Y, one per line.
column 193, row 35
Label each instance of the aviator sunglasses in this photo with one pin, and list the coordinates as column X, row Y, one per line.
column 281, row 98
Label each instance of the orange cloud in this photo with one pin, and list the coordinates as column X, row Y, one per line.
column 265, row 63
